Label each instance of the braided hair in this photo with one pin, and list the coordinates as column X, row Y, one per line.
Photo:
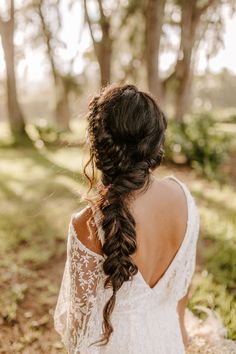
column 126, row 132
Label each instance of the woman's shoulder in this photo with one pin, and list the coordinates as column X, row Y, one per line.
column 182, row 198
column 177, row 185
column 85, row 229
column 171, row 193
column 179, row 189
column 176, row 203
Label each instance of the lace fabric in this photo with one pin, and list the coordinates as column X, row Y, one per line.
column 78, row 314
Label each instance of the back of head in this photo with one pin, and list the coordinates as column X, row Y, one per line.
column 126, row 132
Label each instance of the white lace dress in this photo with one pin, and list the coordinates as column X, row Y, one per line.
column 145, row 319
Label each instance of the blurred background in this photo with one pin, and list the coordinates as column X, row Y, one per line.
column 54, row 55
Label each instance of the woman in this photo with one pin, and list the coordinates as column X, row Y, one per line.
column 131, row 251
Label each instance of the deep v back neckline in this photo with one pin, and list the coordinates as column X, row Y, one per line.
column 169, row 268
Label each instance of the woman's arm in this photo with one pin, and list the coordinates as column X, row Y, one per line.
column 181, row 310
column 78, row 288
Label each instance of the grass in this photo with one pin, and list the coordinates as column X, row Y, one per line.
column 37, row 198
column 214, row 284
column 40, row 189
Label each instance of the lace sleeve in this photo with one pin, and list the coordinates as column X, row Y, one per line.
column 77, row 293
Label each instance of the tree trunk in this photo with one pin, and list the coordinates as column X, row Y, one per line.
column 16, row 119
column 181, row 93
column 183, row 67
column 102, row 48
column 104, row 60
column 62, row 107
column 154, row 20
column 62, row 110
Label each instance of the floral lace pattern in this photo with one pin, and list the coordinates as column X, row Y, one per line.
column 78, row 314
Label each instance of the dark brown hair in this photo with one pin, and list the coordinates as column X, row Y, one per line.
column 126, row 131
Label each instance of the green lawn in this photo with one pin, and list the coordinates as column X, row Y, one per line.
column 39, row 192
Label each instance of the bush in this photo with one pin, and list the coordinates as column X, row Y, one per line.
column 48, row 133
column 198, row 143
column 44, row 133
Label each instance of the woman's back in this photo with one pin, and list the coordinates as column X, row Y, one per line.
column 161, row 218
column 145, row 316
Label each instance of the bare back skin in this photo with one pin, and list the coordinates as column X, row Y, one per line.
column 161, row 215
column 161, row 221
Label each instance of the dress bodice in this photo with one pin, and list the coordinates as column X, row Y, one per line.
column 145, row 319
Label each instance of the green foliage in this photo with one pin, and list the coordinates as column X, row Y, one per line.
column 227, row 115
column 45, row 133
column 214, row 284
column 11, row 299
column 207, row 293
column 48, row 133
column 198, row 142
column 231, row 119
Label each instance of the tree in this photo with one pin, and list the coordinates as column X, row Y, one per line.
column 102, row 47
column 47, row 19
column 62, row 108
column 16, row 119
column 154, row 13
column 191, row 15
column 193, row 26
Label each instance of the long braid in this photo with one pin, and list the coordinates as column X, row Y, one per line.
column 125, row 156
column 120, row 235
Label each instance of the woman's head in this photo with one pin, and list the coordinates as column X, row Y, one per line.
column 126, row 131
